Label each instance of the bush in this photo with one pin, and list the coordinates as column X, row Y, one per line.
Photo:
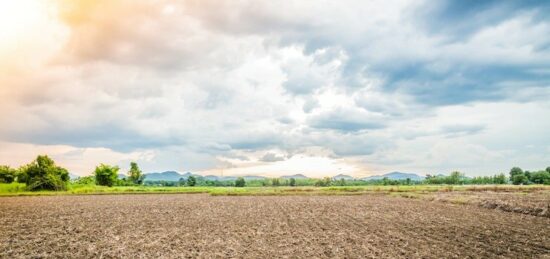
column 540, row 177
column 191, row 181
column 520, row 179
column 240, row 182
column 106, row 175
column 43, row 174
column 7, row 174
column 323, row 182
column 85, row 180
column 292, row 182
column 135, row 175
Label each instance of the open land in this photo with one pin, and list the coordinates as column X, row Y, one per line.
column 407, row 225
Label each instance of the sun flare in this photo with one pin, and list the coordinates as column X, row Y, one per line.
column 20, row 19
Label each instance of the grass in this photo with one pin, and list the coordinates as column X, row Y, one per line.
column 410, row 191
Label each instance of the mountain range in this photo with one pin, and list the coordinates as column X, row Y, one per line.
column 395, row 176
column 175, row 176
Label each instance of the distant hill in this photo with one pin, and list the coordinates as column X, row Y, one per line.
column 395, row 176
column 295, row 176
column 168, row 176
column 342, row 176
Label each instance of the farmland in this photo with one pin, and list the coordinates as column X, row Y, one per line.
column 461, row 222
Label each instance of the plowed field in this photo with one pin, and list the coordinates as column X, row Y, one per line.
column 198, row 225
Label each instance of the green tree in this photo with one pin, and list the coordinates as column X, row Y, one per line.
column 499, row 179
column 106, row 175
column 240, row 182
column 292, row 182
column 517, row 176
column 135, row 175
column 191, row 181
column 548, row 169
column 275, row 182
column 520, row 179
column 540, row 177
column 7, row 174
column 43, row 174
column 326, row 181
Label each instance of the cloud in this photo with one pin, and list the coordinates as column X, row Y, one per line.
column 201, row 83
column 271, row 157
column 347, row 120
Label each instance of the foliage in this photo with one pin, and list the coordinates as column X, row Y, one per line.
column 540, row 177
column 106, row 175
column 292, row 182
column 275, row 182
column 85, row 180
column 43, row 174
column 7, row 174
column 135, row 175
column 191, row 181
column 323, row 182
column 240, row 182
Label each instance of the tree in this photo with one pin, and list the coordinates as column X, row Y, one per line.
column 43, row 174
column 106, row 175
column 540, row 177
column 548, row 169
column 191, row 181
column 515, row 171
column 323, row 182
column 275, row 182
column 292, row 182
column 135, row 175
column 240, row 182
column 7, row 174
column 519, row 179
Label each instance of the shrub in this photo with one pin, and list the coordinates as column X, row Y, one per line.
column 191, row 181
column 106, row 175
column 323, row 182
column 135, row 175
column 292, row 182
column 240, row 182
column 7, row 174
column 520, row 179
column 43, row 174
column 85, row 180
column 540, row 177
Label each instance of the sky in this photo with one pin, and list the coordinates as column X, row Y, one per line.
column 277, row 87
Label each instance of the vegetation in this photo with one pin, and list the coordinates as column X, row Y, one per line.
column 43, row 174
column 135, row 175
column 191, row 181
column 7, row 174
column 106, row 175
column 240, row 182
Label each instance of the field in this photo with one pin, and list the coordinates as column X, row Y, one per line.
column 405, row 224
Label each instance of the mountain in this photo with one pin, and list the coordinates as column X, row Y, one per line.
column 342, row 176
column 121, row 176
column 296, row 176
column 168, row 176
column 395, row 176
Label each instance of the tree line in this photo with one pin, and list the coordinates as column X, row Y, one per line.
column 43, row 174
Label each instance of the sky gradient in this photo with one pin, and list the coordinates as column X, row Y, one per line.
column 277, row 87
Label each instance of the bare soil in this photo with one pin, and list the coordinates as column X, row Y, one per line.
column 198, row 225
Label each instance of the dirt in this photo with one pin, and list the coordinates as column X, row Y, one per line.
column 532, row 203
column 197, row 225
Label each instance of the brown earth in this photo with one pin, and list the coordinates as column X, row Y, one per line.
column 372, row 226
